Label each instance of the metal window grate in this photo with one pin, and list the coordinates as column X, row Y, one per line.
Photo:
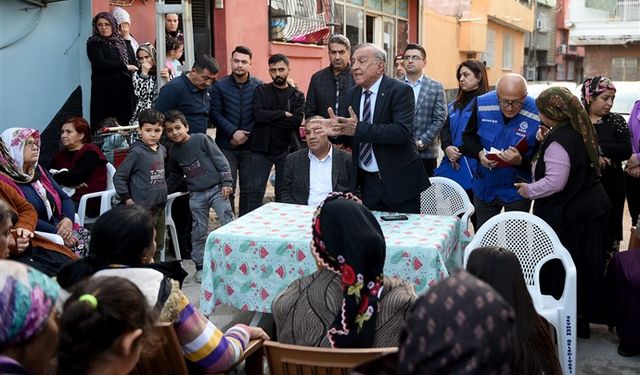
column 300, row 21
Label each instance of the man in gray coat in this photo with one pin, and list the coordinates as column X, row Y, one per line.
column 431, row 105
column 309, row 175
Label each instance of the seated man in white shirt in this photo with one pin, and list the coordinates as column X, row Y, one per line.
column 311, row 174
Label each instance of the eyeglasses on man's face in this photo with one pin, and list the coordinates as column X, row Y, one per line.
column 412, row 58
column 505, row 103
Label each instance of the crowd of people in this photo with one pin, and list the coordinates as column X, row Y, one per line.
column 372, row 144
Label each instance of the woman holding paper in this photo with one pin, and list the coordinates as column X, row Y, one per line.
column 568, row 194
column 472, row 81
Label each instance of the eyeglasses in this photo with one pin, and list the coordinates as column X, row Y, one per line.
column 510, row 103
column 30, row 144
column 412, row 58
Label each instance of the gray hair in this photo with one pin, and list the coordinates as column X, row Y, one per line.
column 340, row 39
column 378, row 52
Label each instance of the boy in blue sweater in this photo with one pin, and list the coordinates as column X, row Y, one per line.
column 198, row 158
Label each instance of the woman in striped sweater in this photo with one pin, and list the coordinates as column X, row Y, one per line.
column 124, row 247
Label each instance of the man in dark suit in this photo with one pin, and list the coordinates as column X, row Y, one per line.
column 386, row 168
column 309, row 175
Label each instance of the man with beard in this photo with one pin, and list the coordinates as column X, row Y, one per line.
column 329, row 85
column 232, row 112
column 278, row 109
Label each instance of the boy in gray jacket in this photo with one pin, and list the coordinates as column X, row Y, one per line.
column 140, row 177
column 198, row 158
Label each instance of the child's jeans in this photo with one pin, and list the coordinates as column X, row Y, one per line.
column 199, row 203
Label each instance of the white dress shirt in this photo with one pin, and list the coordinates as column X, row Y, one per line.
column 415, row 86
column 373, row 166
column 320, row 178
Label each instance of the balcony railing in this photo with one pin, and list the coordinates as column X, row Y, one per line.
column 626, row 10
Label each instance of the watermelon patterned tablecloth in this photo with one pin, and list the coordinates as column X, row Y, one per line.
column 252, row 259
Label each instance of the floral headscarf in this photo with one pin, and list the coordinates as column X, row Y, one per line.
column 12, row 166
column 27, row 297
column 559, row 104
column 15, row 140
column 461, row 326
column 348, row 240
column 115, row 39
column 592, row 87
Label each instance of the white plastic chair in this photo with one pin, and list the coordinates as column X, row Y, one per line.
column 105, row 198
column 534, row 242
column 170, row 226
column 446, row 197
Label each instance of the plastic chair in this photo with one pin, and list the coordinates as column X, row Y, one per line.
column 294, row 359
column 534, row 242
column 170, row 226
column 446, row 197
column 105, row 198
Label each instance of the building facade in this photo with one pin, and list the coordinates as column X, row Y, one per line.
column 490, row 30
column 540, row 44
column 610, row 34
column 569, row 57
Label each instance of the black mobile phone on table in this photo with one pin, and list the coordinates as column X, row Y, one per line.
column 396, row 217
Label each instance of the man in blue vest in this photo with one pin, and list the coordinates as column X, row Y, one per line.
column 501, row 134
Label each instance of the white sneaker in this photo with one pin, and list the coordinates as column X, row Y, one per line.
column 198, row 276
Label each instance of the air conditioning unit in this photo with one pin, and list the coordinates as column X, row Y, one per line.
column 562, row 49
column 541, row 25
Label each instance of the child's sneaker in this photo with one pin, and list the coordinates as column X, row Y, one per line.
column 198, row 276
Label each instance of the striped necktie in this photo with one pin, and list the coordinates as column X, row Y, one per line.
column 366, row 151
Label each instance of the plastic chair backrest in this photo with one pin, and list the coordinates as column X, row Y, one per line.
column 445, row 197
column 111, row 170
column 532, row 240
column 294, row 359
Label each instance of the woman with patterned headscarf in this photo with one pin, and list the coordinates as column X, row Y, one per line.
column 19, row 169
column 112, row 63
column 569, row 196
column 614, row 144
column 28, row 323
column 461, row 326
column 348, row 302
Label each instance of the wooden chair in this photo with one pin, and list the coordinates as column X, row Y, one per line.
column 305, row 360
column 169, row 359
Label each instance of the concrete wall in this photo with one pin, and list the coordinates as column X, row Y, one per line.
column 440, row 42
column 40, row 71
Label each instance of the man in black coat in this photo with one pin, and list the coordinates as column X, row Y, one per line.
column 386, row 168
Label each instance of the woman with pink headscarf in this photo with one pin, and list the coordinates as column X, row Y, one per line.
column 614, row 146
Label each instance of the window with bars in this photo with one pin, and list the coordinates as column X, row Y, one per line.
column 625, row 69
column 300, row 21
column 489, row 54
column 507, row 51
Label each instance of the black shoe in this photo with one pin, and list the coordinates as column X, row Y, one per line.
column 584, row 331
column 627, row 351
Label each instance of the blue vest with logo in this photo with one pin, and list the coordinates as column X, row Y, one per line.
column 458, row 120
column 490, row 184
